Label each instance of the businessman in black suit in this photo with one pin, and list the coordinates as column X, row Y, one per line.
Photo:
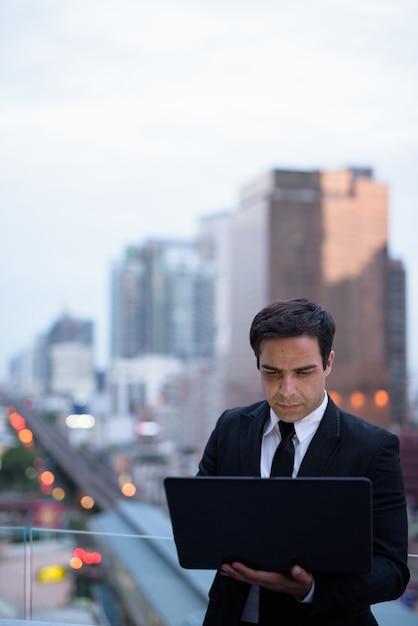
column 292, row 341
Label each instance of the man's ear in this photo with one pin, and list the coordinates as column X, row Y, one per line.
column 330, row 361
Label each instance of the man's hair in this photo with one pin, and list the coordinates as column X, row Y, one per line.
column 293, row 318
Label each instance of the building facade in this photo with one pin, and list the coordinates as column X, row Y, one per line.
column 59, row 363
column 162, row 301
column 70, row 353
column 323, row 235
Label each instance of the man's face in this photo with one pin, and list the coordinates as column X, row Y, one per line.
column 293, row 375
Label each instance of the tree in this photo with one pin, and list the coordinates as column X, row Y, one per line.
column 17, row 471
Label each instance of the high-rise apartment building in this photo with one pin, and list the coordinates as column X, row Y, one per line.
column 71, row 372
column 127, row 307
column 322, row 235
column 60, row 363
column 162, row 301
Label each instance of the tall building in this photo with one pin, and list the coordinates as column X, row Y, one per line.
column 71, row 370
column 397, row 342
column 162, row 342
column 162, row 301
column 322, row 235
column 127, row 307
column 60, row 362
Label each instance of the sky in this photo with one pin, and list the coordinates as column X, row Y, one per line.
column 124, row 120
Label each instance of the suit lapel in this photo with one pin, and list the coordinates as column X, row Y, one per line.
column 324, row 445
column 321, row 451
column 250, row 441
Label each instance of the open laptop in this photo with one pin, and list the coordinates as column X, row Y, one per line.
column 322, row 524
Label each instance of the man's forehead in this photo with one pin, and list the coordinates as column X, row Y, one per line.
column 293, row 352
column 300, row 343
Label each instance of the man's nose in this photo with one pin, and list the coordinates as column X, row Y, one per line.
column 287, row 386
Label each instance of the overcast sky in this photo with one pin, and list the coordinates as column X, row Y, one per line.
column 123, row 120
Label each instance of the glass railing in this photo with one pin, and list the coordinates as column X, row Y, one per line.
column 57, row 576
column 109, row 579
column 14, row 563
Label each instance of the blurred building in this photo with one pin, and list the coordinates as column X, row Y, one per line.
column 162, row 301
column 70, row 358
column 60, row 362
column 163, row 336
column 24, row 376
column 127, row 306
column 135, row 384
column 408, row 438
column 321, row 235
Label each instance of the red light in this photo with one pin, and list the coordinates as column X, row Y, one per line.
column 92, row 558
column 17, row 421
column 45, row 489
column 89, row 558
column 79, row 553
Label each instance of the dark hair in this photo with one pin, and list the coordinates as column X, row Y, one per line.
column 293, row 318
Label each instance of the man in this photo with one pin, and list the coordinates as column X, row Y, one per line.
column 292, row 341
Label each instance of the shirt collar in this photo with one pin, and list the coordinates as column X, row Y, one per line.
column 304, row 427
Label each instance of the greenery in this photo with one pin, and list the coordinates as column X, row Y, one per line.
column 17, row 470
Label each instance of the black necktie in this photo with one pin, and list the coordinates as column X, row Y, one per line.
column 284, row 456
column 282, row 465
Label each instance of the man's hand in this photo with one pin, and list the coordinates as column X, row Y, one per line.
column 298, row 582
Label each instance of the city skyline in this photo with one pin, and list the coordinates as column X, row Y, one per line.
column 294, row 233
column 322, row 234
column 117, row 126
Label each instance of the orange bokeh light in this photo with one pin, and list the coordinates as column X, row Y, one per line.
column 381, row 398
column 128, row 489
column 76, row 562
column 335, row 396
column 58, row 493
column 46, row 478
column 25, row 436
column 87, row 502
column 357, row 399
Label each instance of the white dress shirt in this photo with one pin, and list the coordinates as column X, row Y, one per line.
column 304, row 432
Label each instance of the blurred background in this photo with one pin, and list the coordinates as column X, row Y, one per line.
column 167, row 169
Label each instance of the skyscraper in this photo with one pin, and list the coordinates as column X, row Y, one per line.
column 60, row 362
column 70, row 358
column 162, row 301
column 127, row 308
column 323, row 235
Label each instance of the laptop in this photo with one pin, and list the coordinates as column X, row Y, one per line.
column 321, row 524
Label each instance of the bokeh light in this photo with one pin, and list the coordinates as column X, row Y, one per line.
column 58, row 493
column 381, row 398
column 25, row 436
column 46, row 478
column 17, row 421
column 357, row 399
column 87, row 502
column 128, row 489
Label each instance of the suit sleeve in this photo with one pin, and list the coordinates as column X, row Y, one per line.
column 389, row 575
column 208, row 464
column 219, row 456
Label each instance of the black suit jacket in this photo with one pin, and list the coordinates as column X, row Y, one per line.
column 344, row 445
